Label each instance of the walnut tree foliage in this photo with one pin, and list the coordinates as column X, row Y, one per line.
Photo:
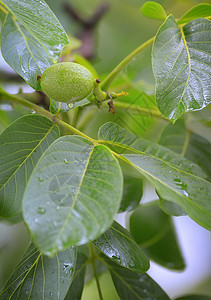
column 68, row 186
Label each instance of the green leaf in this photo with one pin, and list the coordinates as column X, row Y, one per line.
column 193, row 146
column 41, row 277
column 23, row 52
column 21, row 146
column 72, row 195
column 174, row 179
column 194, row 297
column 32, row 39
column 119, row 246
column 132, row 285
column 171, row 208
column 201, row 10
column 155, row 234
column 181, row 64
column 132, row 193
column 120, row 136
column 77, row 285
column 153, row 10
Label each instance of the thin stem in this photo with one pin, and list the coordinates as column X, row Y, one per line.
column 108, row 80
column 45, row 113
column 92, row 258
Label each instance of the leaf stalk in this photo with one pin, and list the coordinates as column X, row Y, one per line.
column 109, row 79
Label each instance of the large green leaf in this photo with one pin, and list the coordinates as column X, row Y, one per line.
column 77, row 285
column 119, row 136
column 193, row 146
column 72, row 195
column 118, row 245
column 201, row 10
column 154, row 233
column 134, row 286
column 181, row 63
column 23, row 52
column 21, row 145
column 173, row 179
column 41, row 277
column 32, row 39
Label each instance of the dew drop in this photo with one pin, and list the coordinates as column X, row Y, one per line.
column 36, row 220
column 185, row 193
column 58, row 207
column 50, row 294
column 65, row 161
column 67, row 268
column 41, row 210
column 40, row 179
column 55, row 223
column 70, row 105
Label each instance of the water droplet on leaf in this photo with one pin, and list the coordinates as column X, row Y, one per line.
column 41, row 210
column 71, row 105
column 40, row 179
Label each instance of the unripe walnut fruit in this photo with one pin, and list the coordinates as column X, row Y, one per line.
column 67, row 82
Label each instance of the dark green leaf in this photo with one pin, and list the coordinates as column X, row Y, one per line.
column 154, row 232
column 118, row 245
column 21, row 145
column 153, row 10
column 181, row 64
column 171, row 208
column 33, row 39
column 194, row 147
column 77, row 285
column 174, row 179
column 194, row 297
column 73, row 194
column 201, row 10
column 132, row 193
column 119, row 136
column 23, row 52
column 41, row 277
column 134, row 286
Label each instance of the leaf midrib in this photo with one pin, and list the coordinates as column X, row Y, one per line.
column 75, row 198
column 150, row 155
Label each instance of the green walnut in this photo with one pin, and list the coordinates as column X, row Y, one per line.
column 67, row 82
